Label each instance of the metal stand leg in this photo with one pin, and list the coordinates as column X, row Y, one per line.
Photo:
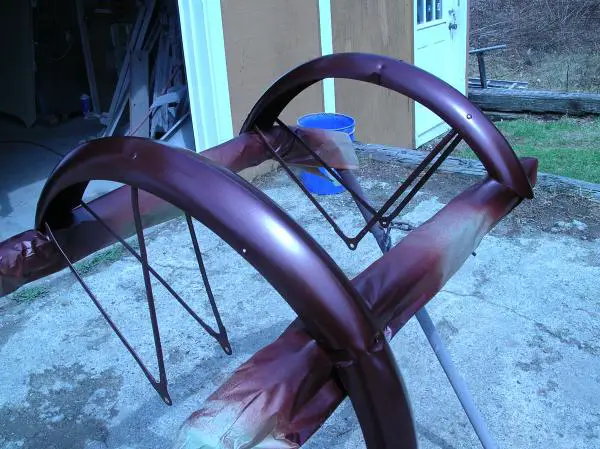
column 457, row 382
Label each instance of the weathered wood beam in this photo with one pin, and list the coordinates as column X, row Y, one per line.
column 482, row 70
column 87, row 56
column 139, row 96
column 510, row 100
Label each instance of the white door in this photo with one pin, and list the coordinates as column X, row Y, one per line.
column 441, row 49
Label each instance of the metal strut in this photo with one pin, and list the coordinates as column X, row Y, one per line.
column 374, row 218
column 220, row 335
column 442, row 150
column 456, row 381
column 355, row 195
column 161, row 385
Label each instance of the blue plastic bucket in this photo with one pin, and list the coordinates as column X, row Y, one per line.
column 330, row 121
column 334, row 122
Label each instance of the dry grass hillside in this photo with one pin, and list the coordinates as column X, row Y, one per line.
column 552, row 44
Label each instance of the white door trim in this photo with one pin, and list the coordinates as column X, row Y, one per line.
column 206, row 71
column 448, row 63
column 326, row 29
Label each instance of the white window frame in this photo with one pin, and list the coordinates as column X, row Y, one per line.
column 326, row 30
column 206, row 70
column 431, row 23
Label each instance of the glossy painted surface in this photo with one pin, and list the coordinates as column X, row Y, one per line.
column 475, row 128
column 344, row 321
column 328, row 305
column 31, row 255
column 287, row 390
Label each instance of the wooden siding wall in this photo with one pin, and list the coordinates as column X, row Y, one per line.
column 264, row 39
column 383, row 27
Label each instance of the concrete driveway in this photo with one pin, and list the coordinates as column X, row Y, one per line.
column 521, row 320
column 27, row 157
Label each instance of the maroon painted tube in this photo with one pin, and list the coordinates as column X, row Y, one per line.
column 287, row 390
column 31, row 255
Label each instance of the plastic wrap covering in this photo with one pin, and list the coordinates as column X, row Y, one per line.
column 28, row 255
column 286, row 391
column 31, row 255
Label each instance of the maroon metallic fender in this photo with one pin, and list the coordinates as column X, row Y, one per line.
column 287, row 390
column 324, row 299
column 475, row 128
column 32, row 255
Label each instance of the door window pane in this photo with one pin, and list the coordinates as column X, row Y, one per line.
column 438, row 9
column 420, row 5
column 428, row 10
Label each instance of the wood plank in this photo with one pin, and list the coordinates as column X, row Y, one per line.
column 161, row 76
column 116, row 104
column 412, row 158
column 264, row 40
column 139, row 96
column 119, row 110
column 497, row 116
column 383, row 27
column 501, row 84
column 510, row 100
column 181, row 135
column 87, row 56
column 141, row 37
column 474, row 167
column 124, row 72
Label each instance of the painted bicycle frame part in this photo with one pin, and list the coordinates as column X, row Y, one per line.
column 338, row 343
column 287, row 390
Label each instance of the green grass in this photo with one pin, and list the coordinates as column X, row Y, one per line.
column 87, row 266
column 568, row 146
column 29, row 294
column 100, row 259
